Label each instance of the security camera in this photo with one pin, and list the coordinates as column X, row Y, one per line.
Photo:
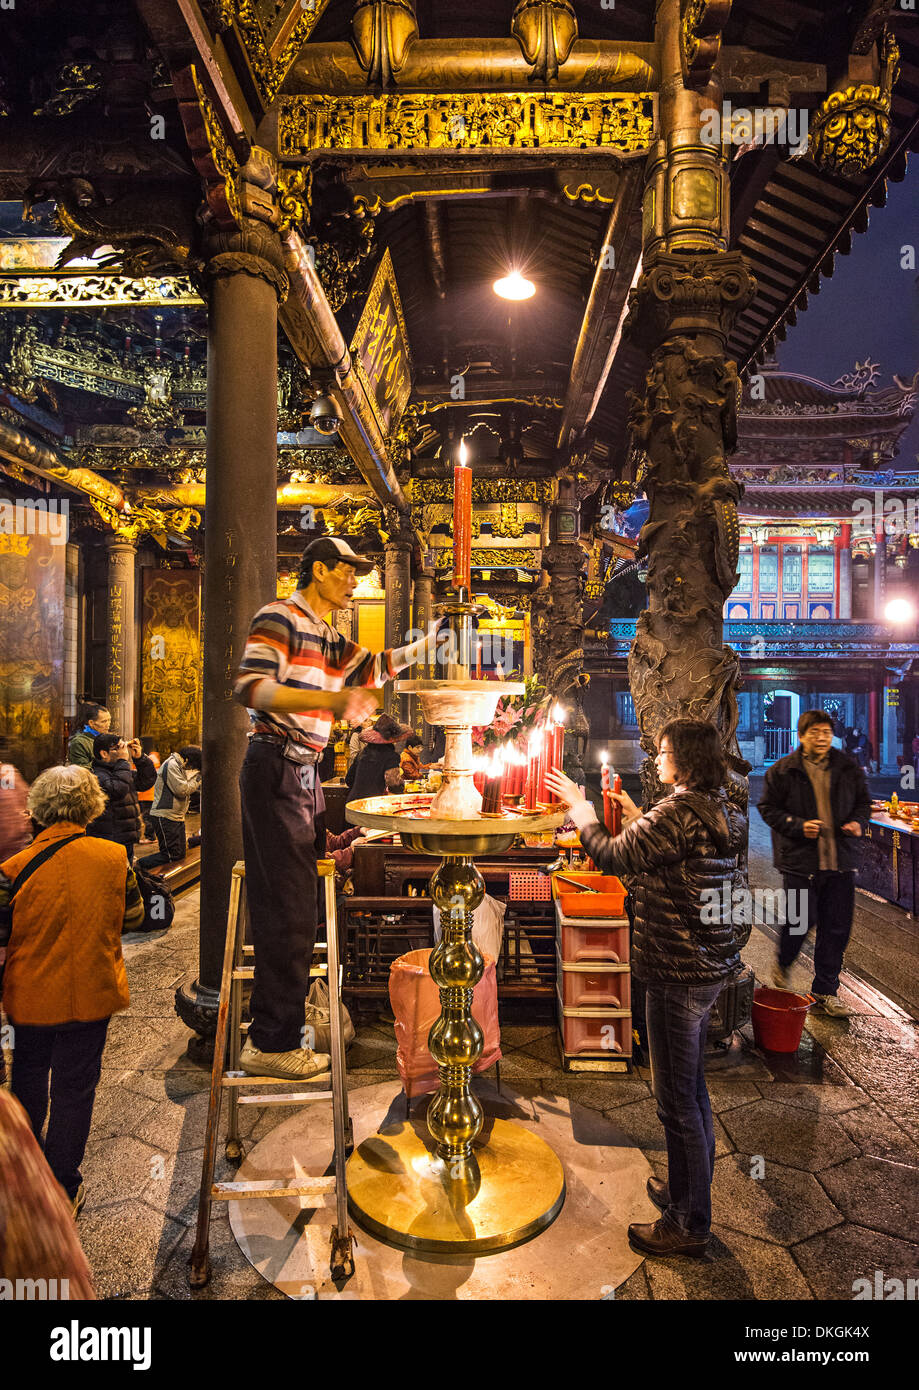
column 324, row 416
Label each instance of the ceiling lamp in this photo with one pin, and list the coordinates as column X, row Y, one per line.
column 515, row 286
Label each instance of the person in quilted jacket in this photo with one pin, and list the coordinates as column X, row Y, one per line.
column 122, row 771
column 681, row 860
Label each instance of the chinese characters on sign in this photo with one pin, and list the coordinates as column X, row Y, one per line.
column 380, row 349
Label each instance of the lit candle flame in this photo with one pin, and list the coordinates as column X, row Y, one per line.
column 463, row 452
column 604, row 757
column 558, row 714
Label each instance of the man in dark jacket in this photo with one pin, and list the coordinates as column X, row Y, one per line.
column 120, row 782
column 816, row 804
column 681, row 859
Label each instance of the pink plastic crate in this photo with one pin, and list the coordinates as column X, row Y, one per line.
column 525, row 885
column 606, row 942
column 600, row 1036
column 595, row 988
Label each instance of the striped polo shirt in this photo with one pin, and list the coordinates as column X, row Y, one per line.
column 288, row 645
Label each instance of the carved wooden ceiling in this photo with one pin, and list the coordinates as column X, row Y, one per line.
column 98, row 74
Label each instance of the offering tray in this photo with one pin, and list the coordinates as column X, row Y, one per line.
column 410, row 815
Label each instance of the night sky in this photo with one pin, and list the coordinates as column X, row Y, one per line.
column 870, row 307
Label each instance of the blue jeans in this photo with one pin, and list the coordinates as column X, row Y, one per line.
column 677, row 1022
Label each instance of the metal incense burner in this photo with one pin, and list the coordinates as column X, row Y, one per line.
column 451, row 1187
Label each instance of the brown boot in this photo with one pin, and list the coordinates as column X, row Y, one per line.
column 659, row 1193
column 663, row 1239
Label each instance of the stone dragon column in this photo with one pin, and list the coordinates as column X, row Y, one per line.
column 684, row 422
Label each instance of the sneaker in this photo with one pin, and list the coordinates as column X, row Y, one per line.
column 76, row 1205
column 830, row 1005
column 300, row 1064
column 781, row 976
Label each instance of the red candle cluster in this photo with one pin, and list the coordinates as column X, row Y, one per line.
column 545, row 753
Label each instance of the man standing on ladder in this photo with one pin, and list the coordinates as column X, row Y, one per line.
column 297, row 676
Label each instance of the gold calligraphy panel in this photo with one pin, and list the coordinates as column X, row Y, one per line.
column 381, row 351
column 171, row 658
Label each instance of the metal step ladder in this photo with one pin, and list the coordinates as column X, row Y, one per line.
column 238, row 967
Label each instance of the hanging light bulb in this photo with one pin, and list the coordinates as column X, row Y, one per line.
column 515, row 286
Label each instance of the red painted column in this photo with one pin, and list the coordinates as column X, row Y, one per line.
column 874, row 722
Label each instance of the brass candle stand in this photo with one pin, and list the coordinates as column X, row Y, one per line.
column 461, row 1182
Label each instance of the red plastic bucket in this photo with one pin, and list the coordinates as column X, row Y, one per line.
column 778, row 1019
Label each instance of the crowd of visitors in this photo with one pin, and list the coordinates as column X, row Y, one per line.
column 68, row 891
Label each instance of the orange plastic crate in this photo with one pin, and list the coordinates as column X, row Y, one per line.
column 596, row 1034
column 595, row 942
column 608, row 902
column 595, row 987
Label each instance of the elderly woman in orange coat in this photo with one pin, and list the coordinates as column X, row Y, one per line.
column 64, row 901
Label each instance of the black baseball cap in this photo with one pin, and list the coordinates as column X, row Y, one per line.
column 332, row 551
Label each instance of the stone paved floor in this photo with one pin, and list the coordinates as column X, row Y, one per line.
column 816, row 1176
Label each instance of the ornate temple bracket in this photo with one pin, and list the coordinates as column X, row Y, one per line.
column 546, row 31
column 851, row 129
column 383, row 32
column 211, row 152
column 270, row 36
column 702, row 23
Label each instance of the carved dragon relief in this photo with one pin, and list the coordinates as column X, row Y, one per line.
column 148, row 239
column 686, row 422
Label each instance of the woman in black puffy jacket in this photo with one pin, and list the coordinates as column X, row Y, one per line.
column 681, row 861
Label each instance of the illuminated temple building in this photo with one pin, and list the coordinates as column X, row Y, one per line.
column 819, row 561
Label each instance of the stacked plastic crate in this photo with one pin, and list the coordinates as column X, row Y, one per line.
column 594, row 974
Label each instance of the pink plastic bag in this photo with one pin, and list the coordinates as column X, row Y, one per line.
column 415, row 1003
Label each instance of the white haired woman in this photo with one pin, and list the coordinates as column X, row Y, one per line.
column 64, row 902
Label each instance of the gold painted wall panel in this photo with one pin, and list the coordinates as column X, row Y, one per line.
column 171, row 658
column 32, row 581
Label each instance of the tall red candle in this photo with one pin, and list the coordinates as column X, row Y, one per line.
column 616, row 826
column 532, row 783
column 604, row 784
column 558, row 761
column 544, row 751
column 520, row 773
column 462, row 523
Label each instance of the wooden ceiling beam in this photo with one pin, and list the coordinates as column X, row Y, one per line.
column 598, row 341
column 478, row 65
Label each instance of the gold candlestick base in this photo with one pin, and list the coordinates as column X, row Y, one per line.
column 510, row 1189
